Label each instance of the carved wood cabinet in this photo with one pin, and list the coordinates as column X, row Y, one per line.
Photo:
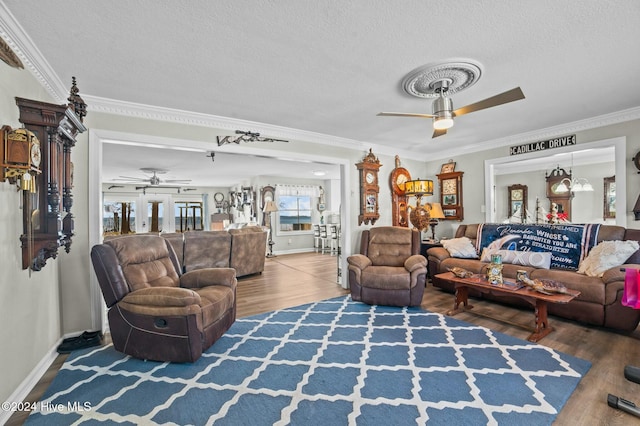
column 48, row 221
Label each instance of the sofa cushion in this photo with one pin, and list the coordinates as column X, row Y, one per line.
column 591, row 289
column 206, row 249
column 387, row 277
column 389, row 246
column 145, row 261
column 607, row 255
column 460, row 247
column 538, row 259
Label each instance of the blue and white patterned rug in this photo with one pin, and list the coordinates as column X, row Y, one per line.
column 335, row 362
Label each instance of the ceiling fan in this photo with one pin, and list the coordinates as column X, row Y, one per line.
column 443, row 112
column 154, row 179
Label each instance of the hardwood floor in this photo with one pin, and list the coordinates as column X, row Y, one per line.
column 290, row 280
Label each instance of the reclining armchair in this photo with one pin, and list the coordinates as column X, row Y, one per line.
column 156, row 312
column 389, row 269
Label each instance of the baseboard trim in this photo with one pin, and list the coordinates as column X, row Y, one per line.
column 27, row 385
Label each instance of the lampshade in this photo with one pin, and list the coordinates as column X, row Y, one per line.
column 270, row 207
column 418, row 187
column 435, row 211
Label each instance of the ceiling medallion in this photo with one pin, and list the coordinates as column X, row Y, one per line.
column 459, row 74
column 245, row 137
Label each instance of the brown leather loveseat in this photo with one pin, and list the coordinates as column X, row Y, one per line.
column 600, row 298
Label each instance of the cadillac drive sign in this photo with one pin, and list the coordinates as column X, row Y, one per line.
column 542, row 145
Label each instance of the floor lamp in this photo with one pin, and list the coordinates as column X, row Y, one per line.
column 269, row 208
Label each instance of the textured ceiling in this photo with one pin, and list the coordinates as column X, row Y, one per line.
column 329, row 67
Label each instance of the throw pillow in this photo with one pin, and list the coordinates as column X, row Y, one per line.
column 536, row 259
column 607, row 255
column 460, row 247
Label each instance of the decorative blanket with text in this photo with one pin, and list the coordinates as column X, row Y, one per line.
column 568, row 243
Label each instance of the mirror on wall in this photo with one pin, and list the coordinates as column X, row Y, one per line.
column 593, row 161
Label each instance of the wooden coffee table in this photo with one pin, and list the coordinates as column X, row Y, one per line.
column 538, row 300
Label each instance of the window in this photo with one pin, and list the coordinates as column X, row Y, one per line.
column 294, row 212
column 188, row 215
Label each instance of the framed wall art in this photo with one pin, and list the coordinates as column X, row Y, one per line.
column 448, row 167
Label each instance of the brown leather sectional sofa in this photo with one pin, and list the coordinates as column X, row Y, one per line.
column 242, row 249
column 600, row 298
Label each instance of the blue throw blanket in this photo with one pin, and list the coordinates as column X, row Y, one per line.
column 568, row 244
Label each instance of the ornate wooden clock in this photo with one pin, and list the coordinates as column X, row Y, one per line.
column 399, row 176
column 451, row 195
column 562, row 199
column 47, row 218
column 518, row 200
column 369, row 189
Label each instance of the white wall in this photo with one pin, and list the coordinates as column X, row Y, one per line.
column 587, row 207
column 29, row 303
column 473, row 166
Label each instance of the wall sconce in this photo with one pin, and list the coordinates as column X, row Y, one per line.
column 419, row 216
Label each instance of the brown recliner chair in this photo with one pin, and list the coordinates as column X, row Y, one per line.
column 389, row 269
column 155, row 312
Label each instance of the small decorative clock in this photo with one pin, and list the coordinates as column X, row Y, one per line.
column 369, row 189
column 451, row 195
column 517, row 200
column 399, row 176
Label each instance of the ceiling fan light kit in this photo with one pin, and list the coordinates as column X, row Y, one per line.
column 440, row 80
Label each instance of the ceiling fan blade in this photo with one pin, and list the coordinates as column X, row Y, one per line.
column 131, row 178
column 405, row 114
column 437, row 133
column 177, row 180
column 503, row 98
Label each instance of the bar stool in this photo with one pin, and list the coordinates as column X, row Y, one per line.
column 333, row 232
column 324, row 239
column 316, row 237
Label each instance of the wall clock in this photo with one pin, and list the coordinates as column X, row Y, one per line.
column 562, row 199
column 399, row 176
column 451, row 195
column 48, row 222
column 369, row 189
column 517, row 196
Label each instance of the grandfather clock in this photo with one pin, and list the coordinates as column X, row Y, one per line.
column 369, row 189
column 561, row 195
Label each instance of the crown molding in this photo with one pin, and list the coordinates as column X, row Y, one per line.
column 547, row 133
column 16, row 37
column 151, row 112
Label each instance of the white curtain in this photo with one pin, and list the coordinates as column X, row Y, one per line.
column 308, row 190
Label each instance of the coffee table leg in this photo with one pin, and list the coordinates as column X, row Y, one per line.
column 542, row 322
column 462, row 296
